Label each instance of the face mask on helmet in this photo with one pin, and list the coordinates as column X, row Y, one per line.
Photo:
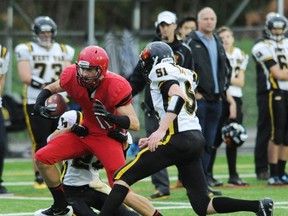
column 94, row 60
column 234, row 134
column 155, row 53
column 273, row 23
column 42, row 25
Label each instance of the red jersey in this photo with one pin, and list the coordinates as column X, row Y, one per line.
column 113, row 91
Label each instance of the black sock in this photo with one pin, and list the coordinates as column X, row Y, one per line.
column 273, row 170
column 226, row 205
column 281, row 167
column 157, row 213
column 59, row 197
column 114, row 200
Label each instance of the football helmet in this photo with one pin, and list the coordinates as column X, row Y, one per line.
column 92, row 57
column 234, row 134
column 275, row 21
column 44, row 24
column 155, row 53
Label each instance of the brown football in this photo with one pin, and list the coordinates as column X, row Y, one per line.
column 56, row 104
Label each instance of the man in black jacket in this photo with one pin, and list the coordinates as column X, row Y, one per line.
column 212, row 67
column 165, row 31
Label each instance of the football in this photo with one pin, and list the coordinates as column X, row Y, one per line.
column 56, row 104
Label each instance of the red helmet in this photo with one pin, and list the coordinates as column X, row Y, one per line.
column 92, row 57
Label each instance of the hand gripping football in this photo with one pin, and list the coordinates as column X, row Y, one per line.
column 56, row 105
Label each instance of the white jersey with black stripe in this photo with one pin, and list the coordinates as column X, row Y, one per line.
column 188, row 80
column 46, row 64
column 267, row 50
column 238, row 60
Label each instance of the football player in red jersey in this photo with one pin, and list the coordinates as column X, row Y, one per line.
column 105, row 98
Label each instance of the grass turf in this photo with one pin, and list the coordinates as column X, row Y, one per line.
column 18, row 176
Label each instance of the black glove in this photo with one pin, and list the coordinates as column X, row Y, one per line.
column 79, row 130
column 100, row 110
column 119, row 135
column 45, row 111
column 97, row 165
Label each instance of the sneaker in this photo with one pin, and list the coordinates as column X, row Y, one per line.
column 284, row 179
column 237, row 181
column 158, row 196
column 4, row 191
column 39, row 186
column 39, row 183
column 179, row 184
column 265, row 207
column 212, row 182
column 212, row 192
column 263, row 175
column 274, row 181
column 53, row 211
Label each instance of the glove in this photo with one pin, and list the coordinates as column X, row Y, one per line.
column 97, row 165
column 45, row 111
column 79, row 130
column 118, row 135
column 100, row 110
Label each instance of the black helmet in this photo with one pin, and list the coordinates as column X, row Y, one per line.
column 155, row 53
column 275, row 21
column 234, row 134
column 44, row 24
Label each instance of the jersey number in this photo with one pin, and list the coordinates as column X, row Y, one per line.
column 190, row 105
column 42, row 67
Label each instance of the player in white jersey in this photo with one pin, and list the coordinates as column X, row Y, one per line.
column 177, row 141
column 80, row 176
column 39, row 63
column 271, row 56
column 238, row 60
column 4, row 62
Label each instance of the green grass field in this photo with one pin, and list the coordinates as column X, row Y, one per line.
column 18, row 178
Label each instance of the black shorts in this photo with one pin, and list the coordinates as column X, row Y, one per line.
column 278, row 104
column 182, row 149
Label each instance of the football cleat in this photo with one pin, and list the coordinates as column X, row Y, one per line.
column 159, row 196
column 265, row 207
column 53, row 211
column 275, row 181
column 98, row 185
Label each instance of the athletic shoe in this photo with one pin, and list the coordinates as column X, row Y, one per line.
column 4, row 191
column 274, row 181
column 53, row 211
column 39, row 186
column 265, row 207
column 212, row 182
column 39, row 183
column 263, row 175
column 158, row 196
column 237, row 181
column 212, row 192
column 284, row 179
column 179, row 184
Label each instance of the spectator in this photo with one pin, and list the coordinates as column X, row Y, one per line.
column 238, row 60
column 4, row 63
column 177, row 141
column 165, row 31
column 213, row 69
column 39, row 63
column 271, row 58
column 185, row 26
